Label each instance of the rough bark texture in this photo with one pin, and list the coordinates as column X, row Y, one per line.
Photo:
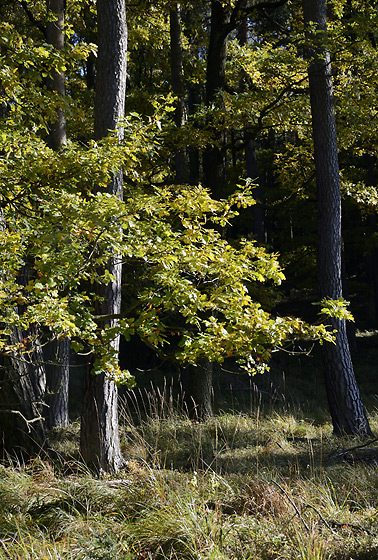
column 347, row 411
column 178, row 88
column 22, row 429
column 57, row 365
column 57, row 352
column 111, row 67
column 100, row 446
column 55, row 36
column 22, row 426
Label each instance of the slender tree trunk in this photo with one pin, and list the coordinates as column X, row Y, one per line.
column 100, row 447
column 198, row 380
column 194, row 99
column 257, row 211
column 57, row 365
column 194, row 156
column 347, row 411
column 213, row 158
column 56, row 82
column 178, row 88
column 57, row 352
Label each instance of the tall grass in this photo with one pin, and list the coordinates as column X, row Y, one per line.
column 263, row 485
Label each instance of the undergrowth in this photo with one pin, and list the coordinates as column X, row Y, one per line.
column 272, row 484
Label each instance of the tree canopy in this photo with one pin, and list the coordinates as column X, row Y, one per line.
column 196, row 284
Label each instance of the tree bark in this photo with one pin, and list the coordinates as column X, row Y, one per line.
column 22, row 386
column 100, row 447
column 198, row 390
column 213, row 158
column 177, row 80
column 252, row 171
column 57, row 365
column 198, row 387
column 56, row 82
column 57, row 352
column 347, row 411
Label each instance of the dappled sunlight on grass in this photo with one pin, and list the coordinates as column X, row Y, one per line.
column 239, row 486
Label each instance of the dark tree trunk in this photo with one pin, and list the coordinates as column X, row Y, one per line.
column 100, row 447
column 198, row 386
column 57, row 365
column 347, row 411
column 213, row 158
column 22, row 428
column 257, row 211
column 56, row 82
column 195, row 97
column 22, row 389
column 198, row 390
column 177, row 79
column 57, row 352
column 194, row 156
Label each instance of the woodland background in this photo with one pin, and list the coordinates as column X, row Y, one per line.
column 188, row 202
column 174, row 198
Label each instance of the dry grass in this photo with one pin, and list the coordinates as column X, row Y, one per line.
column 261, row 486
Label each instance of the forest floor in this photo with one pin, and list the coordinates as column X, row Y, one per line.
column 266, row 481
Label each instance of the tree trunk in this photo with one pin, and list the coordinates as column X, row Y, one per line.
column 57, row 365
column 198, row 385
column 57, row 352
column 347, row 411
column 198, row 390
column 213, row 158
column 194, row 156
column 22, row 391
column 100, row 447
column 199, row 379
column 257, row 211
column 22, row 428
column 56, row 82
column 181, row 167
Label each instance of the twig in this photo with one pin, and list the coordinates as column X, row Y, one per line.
column 330, row 522
column 349, row 449
column 326, row 523
column 351, row 525
column 294, row 506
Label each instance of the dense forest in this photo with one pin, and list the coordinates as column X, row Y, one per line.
column 199, row 177
column 188, row 197
column 193, row 181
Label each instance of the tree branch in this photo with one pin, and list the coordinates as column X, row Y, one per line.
column 32, row 19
